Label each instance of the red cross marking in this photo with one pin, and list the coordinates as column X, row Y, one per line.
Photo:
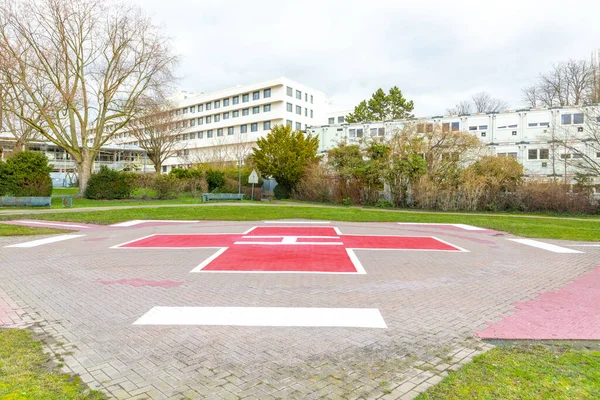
column 288, row 249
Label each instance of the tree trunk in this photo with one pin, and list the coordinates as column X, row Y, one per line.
column 157, row 168
column 84, row 171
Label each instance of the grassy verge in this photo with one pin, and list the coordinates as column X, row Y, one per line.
column 24, row 372
column 524, row 372
column 547, row 227
column 15, row 230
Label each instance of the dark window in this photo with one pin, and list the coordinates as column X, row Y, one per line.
column 289, row 91
column 544, row 154
column 220, row 132
column 532, row 124
column 230, row 130
column 208, row 119
column 331, row 120
column 254, row 127
column 298, row 95
column 200, row 107
column 289, row 107
column 359, row 133
column 192, row 109
column 200, row 135
column 565, row 119
column 255, row 95
column 298, row 110
column 217, row 103
column 245, row 111
column 455, row 126
column 266, row 108
column 473, row 128
column 235, row 99
column 288, row 122
column 225, row 102
column 266, row 125
column 298, row 126
column 235, row 114
column 311, row 99
column 208, row 106
column 246, row 98
column 380, row 131
column 483, row 127
column 341, row 119
column 243, row 128
column 255, row 110
column 578, row 118
column 209, row 134
column 532, row 154
column 267, row 93
column 545, row 124
column 445, row 127
column 225, row 115
column 217, row 117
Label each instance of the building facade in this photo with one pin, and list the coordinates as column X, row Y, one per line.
column 224, row 125
column 532, row 136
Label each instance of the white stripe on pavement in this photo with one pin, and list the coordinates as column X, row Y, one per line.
column 460, row 226
column 143, row 221
column 545, row 246
column 52, row 224
column 264, row 316
column 295, row 222
column 40, row 242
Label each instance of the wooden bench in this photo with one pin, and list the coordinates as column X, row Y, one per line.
column 222, row 196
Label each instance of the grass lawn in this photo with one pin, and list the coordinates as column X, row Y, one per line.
column 24, row 372
column 524, row 372
column 529, row 226
column 14, row 230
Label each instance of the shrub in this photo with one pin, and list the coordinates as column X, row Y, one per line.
column 26, row 173
column 215, row 179
column 166, row 187
column 315, row 185
column 281, row 192
column 108, row 184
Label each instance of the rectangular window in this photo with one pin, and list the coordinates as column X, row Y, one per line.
column 545, row 124
column 289, row 123
column 445, row 127
column 532, row 154
column 185, row 124
column 200, row 107
column 352, row 132
column 177, row 112
column 192, row 122
column 341, row 119
column 235, row 114
column 564, row 156
column 209, row 133
column 578, row 119
column 192, row 109
column 246, row 98
column 217, row 103
column 359, row 132
column 225, row 102
column 298, row 110
column 544, row 154
column 306, row 97
column 255, row 110
column 225, row 115
column 208, row 106
column 455, row 126
column 565, row 119
column 185, row 137
column 429, row 128
column 255, row 95
column 298, row 126
column 331, row 121
column 598, row 154
column 230, row 130
column 473, row 128
column 298, row 95
column 483, row 127
column 245, row 111
column 373, row 131
column 289, row 91
column 532, row 124
column 512, row 126
column 306, row 112
column 164, row 168
column 266, row 93
column 311, row 99
column 193, row 135
column 220, row 132
column 266, row 108
column 289, row 107
column 201, row 135
column 254, row 127
column 311, row 113
column 235, row 99
column 380, row 131
column 185, row 110
column 200, row 120
column 217, row 117
column 208, row 119
column 266, row 125
column 243, row 128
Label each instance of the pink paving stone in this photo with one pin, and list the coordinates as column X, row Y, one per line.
column 569, row 313
column 10, row 313
column 137, row 282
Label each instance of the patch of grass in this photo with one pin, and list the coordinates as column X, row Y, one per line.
column 14, row 230
column 529, row 226
column 524, row 372
column 24, row 372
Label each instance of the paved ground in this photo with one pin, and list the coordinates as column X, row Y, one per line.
column 86, row 296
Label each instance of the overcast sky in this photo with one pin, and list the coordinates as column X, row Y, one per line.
column 437, row 53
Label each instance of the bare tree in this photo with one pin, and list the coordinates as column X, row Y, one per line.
column 85, row 67
column 573, row 82
column 157, row 130
column 15, row 126
column 464, row 107
column 481, row 102
column 485, row 103
column 585, row 151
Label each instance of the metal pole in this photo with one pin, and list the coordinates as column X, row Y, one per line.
column 253, row 192
column 239, row 177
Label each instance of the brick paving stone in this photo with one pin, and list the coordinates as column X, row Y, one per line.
column 431, row 301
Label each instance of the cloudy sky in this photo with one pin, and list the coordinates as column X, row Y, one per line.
column 437, row 53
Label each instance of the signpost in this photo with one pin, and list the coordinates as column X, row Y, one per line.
column 253, row 178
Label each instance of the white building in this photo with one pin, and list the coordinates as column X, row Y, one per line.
column 529, row 135
column 224, row 125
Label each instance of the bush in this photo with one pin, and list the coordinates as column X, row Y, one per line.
column 25, row 174
column 315, row 185
column 166, row 187
column 281, row 192
column 215, row 179
column 108, row 184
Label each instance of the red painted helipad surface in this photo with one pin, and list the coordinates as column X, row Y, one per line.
column 289, row 249
column 572, row 312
